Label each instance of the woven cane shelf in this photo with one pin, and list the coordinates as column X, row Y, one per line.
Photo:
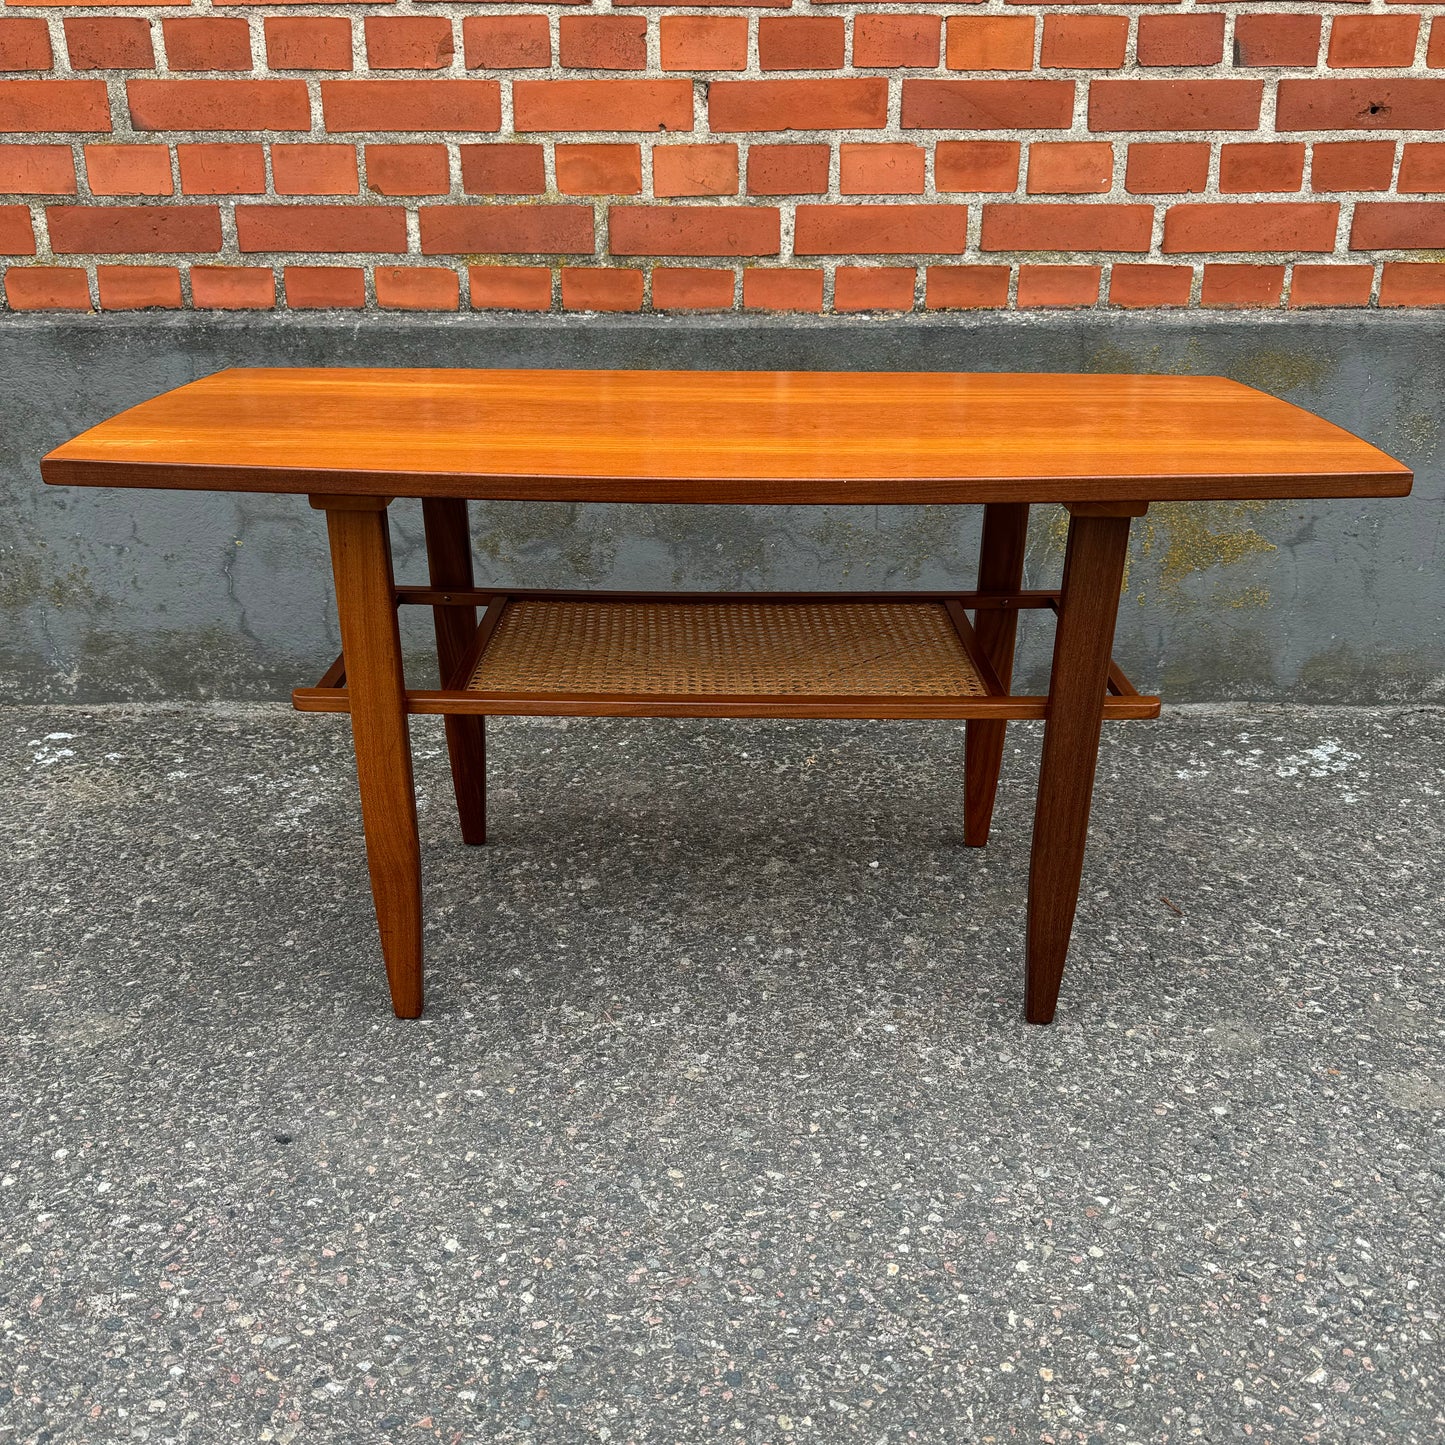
column 742, row 655
column 754, row 649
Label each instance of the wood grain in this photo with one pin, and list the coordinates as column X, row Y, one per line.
column 449, row 564
column 658, row 436
column 1000, row 569
column 1093, row 573
column 361, row 563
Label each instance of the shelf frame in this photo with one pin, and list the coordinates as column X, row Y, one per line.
column 1123, row 701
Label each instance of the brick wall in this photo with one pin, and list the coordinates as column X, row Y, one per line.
column 760, row 155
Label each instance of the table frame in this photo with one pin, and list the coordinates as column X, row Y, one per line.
column 368, row 682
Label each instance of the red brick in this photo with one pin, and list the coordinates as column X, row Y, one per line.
column 1366, row 42
column 706, row 4
column 206, row 43
column 1361, row 103
column 314, row 170
column 1138, row 284
column 966, row 288
column 896, row 41
column 599, row 170
column 503, row 170
column 1164, row 167
column 523, row 230
column 703, row 42
column 1058, row 286
column 133, row 230
column 873, row 288
column 409, row 42
column 1180, row 39
column 1261, row 166
column 782, row 288
column 138, row 288
column 1276, row 40
column 1084, row 42
column 1422, row 168
column 222, row 168
column 976, row 165
column 1251, row 226
column 68, row 106
column 408, row 170
column 24, row 45
column 1330, row 286
column 787, row 170
column 695, row 170
column 860, row 103
column 416, row 288
column 36, row 170
column 800, row 42
column 693, row 231
column 629, row 105
column 1175, row 104
column 990, row 42
column 1061, row 168
column 883, row 230
column 1404, row 283
column 402, row 105
column 691, row 288
column 47, row 288
column 325, row 288
column 1227, row 284
column 108, row 42
column 1352, row 165
column 233, row 288
column 591, row 288
column 1435, row 51
column 510, row 288
column 1065, row 227
column 353, row 229
column 128, row 170
column 880, row 170
column 602, row 42
column 1398, row 226
column 17, row 236
column 988, row 104
column 218, row 104
column 310, row 42
column 506, row 42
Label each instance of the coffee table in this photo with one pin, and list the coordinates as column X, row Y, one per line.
column 354, row 439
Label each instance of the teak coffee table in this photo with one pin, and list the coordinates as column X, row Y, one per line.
column 1104, row 446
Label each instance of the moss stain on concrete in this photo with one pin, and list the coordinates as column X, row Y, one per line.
column 1182, row 539
column 1279, row 369
column 1110, row 359
column 1175, row 541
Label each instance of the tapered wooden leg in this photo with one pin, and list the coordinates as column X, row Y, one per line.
column 449, row 562
column 1000, row 569
column 361, row 561
column 1093, row 572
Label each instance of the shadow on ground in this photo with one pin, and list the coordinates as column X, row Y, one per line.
column 722, row 1122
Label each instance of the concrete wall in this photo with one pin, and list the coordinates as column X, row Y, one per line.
column 136, row 595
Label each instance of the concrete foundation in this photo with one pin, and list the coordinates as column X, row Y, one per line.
column 136, row 595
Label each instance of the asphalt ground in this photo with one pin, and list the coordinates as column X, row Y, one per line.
column 722, row 1122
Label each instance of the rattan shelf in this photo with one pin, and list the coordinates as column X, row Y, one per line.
column 732, row 655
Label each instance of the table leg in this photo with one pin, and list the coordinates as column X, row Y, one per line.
column 365, row 604
column 1093, row 574
column 449, row 563
column 1000, row 569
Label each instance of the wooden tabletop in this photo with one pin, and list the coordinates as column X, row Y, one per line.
column 752, row 436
